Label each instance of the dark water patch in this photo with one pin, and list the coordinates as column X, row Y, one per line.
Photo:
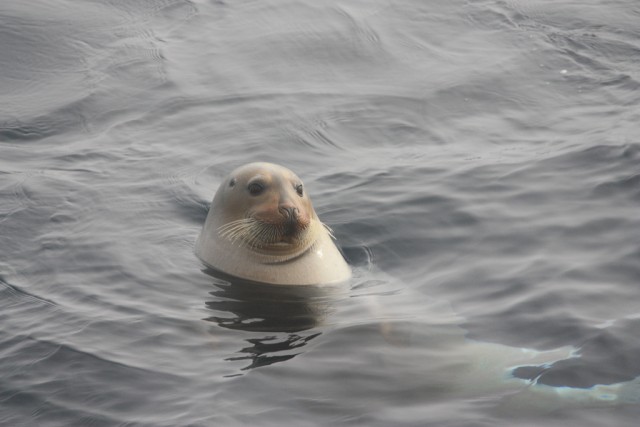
column 193, row 209
column 358, row 256
column 589, row 57
column 14, row 131
column 67, row 381
column 13, row 292
column 48, row 413
column 13, row 195
column 520, row 296
column 45, row 81
column 627, row 187
column 376, row 120
column 613, row 154
column 106, row 57
column 191, row 205
column 598, row 52
column 568, row 16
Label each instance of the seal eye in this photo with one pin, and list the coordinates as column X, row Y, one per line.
column 299, row 190
column 255, row 188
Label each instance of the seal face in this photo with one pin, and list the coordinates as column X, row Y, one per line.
column 262, row 227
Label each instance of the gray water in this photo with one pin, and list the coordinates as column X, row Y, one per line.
column 472, row 157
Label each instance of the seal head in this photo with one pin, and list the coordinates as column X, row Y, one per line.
column 262, row 227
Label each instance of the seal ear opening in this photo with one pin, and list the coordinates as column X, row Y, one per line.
column 232, row 182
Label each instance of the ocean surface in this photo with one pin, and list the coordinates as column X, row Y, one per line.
column 478, row 161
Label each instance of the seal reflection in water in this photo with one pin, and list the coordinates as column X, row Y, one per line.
column 257, row 307
column 262, row 227
column 282, row 319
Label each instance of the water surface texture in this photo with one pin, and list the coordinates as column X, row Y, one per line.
column 478, row 161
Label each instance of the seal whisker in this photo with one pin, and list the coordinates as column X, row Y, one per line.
column 251, row 236
column 234, row 230
column 230, row 226
column 251, row 233
column 329, row 230
column 264, row 235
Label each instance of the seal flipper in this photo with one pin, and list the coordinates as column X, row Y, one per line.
column 529, row 373
column 627, row 392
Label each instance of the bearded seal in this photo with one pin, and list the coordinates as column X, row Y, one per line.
column 262, row 227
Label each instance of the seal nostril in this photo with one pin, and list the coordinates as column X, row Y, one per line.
column 288, row 212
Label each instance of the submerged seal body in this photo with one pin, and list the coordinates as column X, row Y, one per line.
column 262, row 227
